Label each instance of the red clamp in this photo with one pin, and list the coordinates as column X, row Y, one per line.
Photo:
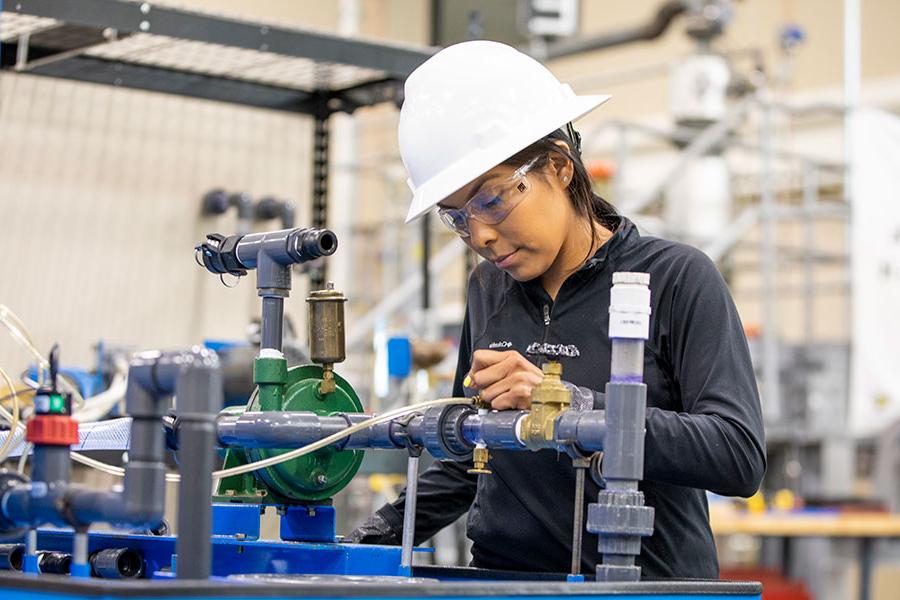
column 52, row 430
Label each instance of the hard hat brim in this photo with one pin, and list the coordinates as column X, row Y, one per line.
column 481, row 160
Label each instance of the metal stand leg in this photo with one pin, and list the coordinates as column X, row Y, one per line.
column 580, row 464
column 30, row 564
column 80, row 566
column 865, row 568
column 409, row 513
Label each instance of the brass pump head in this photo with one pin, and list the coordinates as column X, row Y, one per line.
column 548, row 400
column 326, row 333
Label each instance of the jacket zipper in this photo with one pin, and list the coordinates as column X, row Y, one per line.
column 546, row 323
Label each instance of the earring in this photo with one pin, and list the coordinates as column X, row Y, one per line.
column 565, row 178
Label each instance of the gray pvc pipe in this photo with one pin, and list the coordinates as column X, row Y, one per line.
column 199, row 393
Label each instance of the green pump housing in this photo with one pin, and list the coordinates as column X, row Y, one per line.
column 308, row 479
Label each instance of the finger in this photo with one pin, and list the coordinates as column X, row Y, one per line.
column 494, row 373
column 485, row 358
column 516, row 399
column 489, row 393
column 525, row 380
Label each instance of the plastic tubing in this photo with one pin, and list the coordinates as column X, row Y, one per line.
column 327, row 441
column 309, row 448
column 13, row 418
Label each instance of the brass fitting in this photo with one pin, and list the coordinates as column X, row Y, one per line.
column 480, row 457
column 327, row 385
column 481, row 404
column 548, row 400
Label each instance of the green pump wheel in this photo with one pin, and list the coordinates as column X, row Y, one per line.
column 323, row 473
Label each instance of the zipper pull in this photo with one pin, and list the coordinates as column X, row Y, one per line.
column 546, row 314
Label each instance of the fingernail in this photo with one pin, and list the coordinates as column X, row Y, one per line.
column 467, row 382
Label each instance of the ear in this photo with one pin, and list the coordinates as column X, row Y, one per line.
column 561, row 168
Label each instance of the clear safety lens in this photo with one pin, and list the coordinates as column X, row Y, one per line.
column 489, row 205
column 455, row 220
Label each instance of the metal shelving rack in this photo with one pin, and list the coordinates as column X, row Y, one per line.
column 144, row 46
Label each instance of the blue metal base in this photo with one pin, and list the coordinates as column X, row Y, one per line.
column 368, row 567
column 308, row 524
column 237, row 555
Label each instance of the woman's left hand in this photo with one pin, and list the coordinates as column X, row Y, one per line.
column 505, row 379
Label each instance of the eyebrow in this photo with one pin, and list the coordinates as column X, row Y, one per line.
column 476, row 187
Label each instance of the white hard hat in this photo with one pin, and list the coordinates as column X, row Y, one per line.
column 470, row 107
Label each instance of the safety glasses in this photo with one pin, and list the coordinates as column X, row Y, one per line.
column 491, row 203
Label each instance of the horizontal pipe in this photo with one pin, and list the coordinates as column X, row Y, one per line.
column 497, row 429
column 12, row 557
column 117, row 563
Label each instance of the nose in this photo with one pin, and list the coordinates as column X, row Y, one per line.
column 481, row 236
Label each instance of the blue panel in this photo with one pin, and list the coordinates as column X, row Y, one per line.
column 399, row 353
column 220, row 345
column 231, row 555
column 308, row 524
column 231, row 519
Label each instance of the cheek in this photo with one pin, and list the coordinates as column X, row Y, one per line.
column 539, row 233
column 543, row 226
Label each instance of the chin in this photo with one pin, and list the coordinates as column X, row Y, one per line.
column 522, row 274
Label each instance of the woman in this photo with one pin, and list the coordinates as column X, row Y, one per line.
column 486, row 135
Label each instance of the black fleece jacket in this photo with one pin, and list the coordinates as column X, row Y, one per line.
column 704, row 423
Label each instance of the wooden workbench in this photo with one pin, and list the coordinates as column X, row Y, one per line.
column 806, row 524
column 865, row 527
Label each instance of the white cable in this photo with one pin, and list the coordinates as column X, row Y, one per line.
column 13, row 418
column 19, row 333
column 327, row 441
column 110, row 469
column 98, row 406
column 24, row 458
column 274, row 460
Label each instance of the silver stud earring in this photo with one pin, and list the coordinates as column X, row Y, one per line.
column 565, row 179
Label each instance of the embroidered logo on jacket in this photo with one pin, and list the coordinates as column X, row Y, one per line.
column 500, row 344
column 553, row 349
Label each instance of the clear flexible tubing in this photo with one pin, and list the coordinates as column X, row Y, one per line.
column 269, row 462
column 335, row 437
column 13, row 418
column 19, row 333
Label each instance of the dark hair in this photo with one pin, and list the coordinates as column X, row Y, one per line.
column 587, row 204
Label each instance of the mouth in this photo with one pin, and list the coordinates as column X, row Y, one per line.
column 506, row 260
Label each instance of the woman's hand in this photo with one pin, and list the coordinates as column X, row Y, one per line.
column 505, row 379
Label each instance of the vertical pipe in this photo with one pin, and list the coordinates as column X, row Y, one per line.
column 50, row 464
column 344, row 198
column 409, row 512
column 272, row 321
column 810, row 186
column 199, row 400
column 771, row 390
column 810, row 203
column 620, row 516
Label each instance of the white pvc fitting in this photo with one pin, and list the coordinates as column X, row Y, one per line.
column 629, row 306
